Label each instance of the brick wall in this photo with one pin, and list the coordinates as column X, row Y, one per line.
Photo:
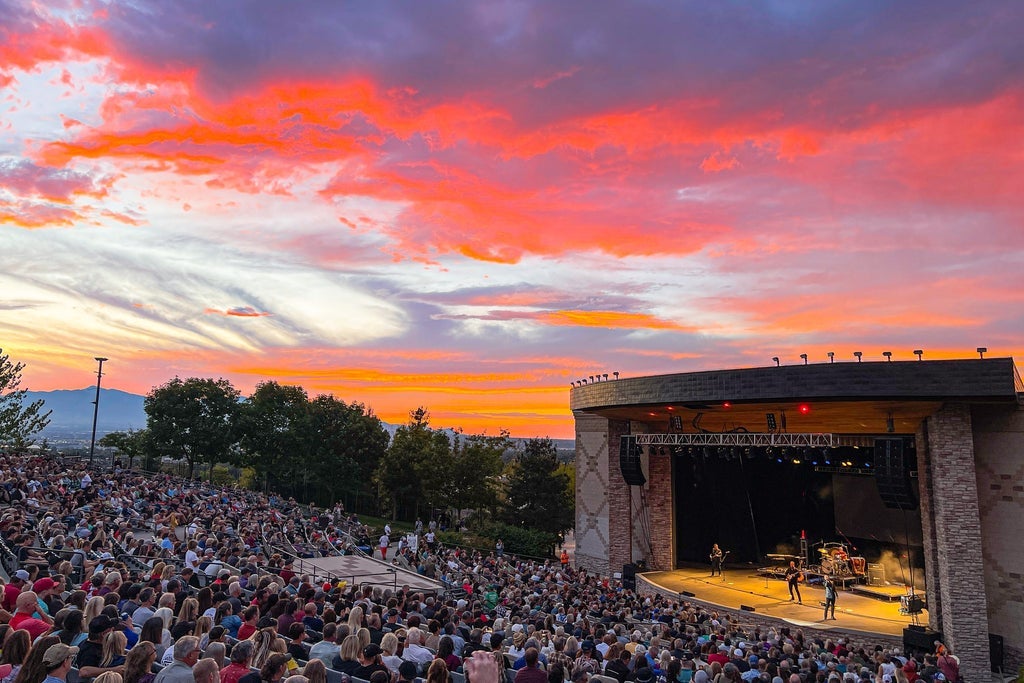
column 999, row 464
column 662, row 512
column 957, row 532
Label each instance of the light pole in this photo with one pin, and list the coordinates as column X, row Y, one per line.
column 96, row 409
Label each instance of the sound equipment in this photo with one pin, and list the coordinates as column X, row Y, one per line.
column 629, row 461
column 920, row 639
column 995, row 652
column 747, row 608
column 892, row 474
column 687, row 594
column 876, row 574
column 629, row 576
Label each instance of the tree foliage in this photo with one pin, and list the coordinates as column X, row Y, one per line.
column 273, row 424
column 18, row 422
column 410, row 476
column 193, row 420
column 132, row 443
column 538, row 490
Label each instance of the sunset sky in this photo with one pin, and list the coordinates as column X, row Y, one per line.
column 468, row 205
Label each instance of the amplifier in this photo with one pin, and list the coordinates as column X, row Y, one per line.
column 876, row 575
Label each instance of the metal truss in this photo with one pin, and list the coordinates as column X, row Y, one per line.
column 753, row 439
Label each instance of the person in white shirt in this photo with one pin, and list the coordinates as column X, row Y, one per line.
column 415, row 652
column 384, row 543
column 191, row 557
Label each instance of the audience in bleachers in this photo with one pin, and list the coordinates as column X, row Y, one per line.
column 153, row 579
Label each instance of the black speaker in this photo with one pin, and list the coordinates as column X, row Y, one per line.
column 629, row 576
column 995, row 652
column 892, row 474
column 747, row 608
column 629, row 461
column 920, row 639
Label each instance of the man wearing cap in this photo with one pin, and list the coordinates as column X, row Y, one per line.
column 369, row 662
column 586, row 661
column 14, row 588
column 58, row 659
column 91, row 652
column 24, row 608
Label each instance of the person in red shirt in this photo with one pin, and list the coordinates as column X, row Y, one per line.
column 23, row 619
column 241, row 658
column 250, row 616
column 721, row 655
column 13, row 589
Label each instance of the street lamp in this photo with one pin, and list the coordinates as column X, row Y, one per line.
column 96, row 409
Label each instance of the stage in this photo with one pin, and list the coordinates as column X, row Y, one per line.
column 857, row 614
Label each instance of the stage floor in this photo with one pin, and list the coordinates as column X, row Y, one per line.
column 770, row 597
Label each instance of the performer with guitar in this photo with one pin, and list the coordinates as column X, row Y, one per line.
column 717, row 557
column 793, row 577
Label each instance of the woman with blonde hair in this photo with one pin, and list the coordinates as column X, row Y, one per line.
column 389, row 647
column 355, row 618
column 262, row 641
column 315, row 671
column 189, row 610
column 166, row 575
column 14, row 655
column 114, row 649
column 364, row 637
column 92, row 608
column 347, row 659
column 203, row 626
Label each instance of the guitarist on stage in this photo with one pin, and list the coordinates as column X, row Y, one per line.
column 716, row 559
column 793, row 577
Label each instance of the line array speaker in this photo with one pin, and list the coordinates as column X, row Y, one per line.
column 892, row 474
column 629, row 461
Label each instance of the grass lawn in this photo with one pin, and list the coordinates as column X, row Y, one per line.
column 377, row 524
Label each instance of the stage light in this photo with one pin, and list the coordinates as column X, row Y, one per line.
column 591, row 378
column 796, row 461
column 804, row 409
column 772, row 424
column 888, row 355
column 605, row 376
column 831, row 356
column 804, row 357
column 778, row 460
column 776, row 359
column 982, row 350
column 918, row 353
column 616, row 375
column 857, row 355
column 727, row 405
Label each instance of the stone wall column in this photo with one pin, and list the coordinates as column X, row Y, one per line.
column 928, row 531
column 662, row 511
column 957, row 532
column 620, row 531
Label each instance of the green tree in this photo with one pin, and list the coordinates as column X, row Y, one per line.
column 132, row 443
column 538, row 491
column 345, row 445
column 412, row 472
column 18, row 422
column 274, row 424
column 475, row 467
column 193, row 420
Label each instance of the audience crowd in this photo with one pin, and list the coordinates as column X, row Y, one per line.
column 128, row 578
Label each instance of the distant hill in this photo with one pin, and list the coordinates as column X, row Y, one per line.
column 73, row 409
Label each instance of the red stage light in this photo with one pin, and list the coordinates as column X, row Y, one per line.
column 804, row 409
column 727, row 405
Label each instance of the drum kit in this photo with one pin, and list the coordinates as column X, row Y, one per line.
column 835, row 560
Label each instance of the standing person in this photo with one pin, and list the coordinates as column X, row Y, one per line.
column 793, row 577
column 384, row 543
column 564, row 559
column 716, row 559
column 830, row 598
column 499, row 548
